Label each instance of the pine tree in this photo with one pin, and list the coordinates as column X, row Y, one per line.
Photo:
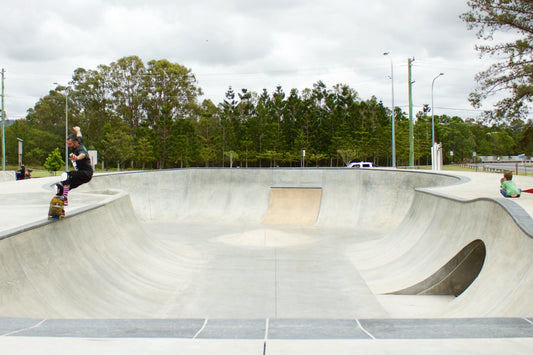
column 512, row 73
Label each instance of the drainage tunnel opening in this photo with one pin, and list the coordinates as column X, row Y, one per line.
column 455, row 276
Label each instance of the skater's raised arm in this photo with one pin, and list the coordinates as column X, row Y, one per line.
column 77, row 130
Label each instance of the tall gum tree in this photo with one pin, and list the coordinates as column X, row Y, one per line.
column 513, row 74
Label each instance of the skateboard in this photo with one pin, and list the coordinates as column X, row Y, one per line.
column 57, row 208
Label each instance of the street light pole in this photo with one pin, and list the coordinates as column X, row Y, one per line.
column 3, row 126
column 435, row 156
column 411, row 139
column 66, row 129
column 67, row 89
column 433, row 111
column 392, row 119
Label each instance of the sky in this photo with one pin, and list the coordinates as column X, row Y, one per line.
column 249, row 44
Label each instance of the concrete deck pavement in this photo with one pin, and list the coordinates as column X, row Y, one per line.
column 25, row 203
column 187, row 249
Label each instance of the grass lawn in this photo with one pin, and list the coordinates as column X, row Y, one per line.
column 42, row 172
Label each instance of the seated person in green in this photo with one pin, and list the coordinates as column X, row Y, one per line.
column 508, row 187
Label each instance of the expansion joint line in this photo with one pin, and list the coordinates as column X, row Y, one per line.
column 201, row 329
column 266, row 336
column 23, row 330
column 364, row 330
column 275, row 283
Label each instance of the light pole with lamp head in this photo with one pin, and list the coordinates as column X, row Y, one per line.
column 392, row 119
column 66, row 125
column 432, row 111
column 433, row 153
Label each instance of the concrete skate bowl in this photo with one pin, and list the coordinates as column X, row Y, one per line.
column 271, row 243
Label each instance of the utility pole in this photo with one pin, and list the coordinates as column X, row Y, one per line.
column 66, row 129
column 3, row 127
column 411, row 143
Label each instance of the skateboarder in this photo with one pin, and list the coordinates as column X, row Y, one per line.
column 80, row 158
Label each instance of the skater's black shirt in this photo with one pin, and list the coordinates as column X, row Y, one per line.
column 84, row 170
column 85, row 163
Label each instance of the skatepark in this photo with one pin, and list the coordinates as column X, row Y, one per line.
column 269, row 261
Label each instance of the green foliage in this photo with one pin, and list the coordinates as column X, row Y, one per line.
column 525, row 138
column 144, row 151
column 54, row 162
column 512, row 73
column 147, row 116
column 231, row 156
column 36, row 156
column 36, row 142
column 116, row 147
column 347, row 155
column 206, row 155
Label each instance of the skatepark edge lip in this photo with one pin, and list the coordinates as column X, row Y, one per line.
column 520, row 216
column 75, row 212
column 303, row 178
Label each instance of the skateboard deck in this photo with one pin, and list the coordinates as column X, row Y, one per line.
column 57, row 208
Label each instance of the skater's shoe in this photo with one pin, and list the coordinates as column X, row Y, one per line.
column 59, row 188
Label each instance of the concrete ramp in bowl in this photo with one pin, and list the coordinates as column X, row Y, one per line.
column 293, row 206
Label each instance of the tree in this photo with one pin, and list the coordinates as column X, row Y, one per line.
column 514, row 72
column 144, row 151
column 127, row 77
column 317, row 158
column 208, row 122
column 206, row 155
column 456, row 136
column 172, row 92
column 227, row 122
column 183, row 143
column 49, row 113
column 502, row 143
column 347, row 155
column 92, row 95
column 37, row 141
column 54, row 162
column 35, row 156
column 231, row 156
column 525, row 143
column 117, row 147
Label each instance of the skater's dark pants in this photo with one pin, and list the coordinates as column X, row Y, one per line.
column 77, row 177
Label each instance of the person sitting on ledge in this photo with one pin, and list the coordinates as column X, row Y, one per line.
column 508, row 187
